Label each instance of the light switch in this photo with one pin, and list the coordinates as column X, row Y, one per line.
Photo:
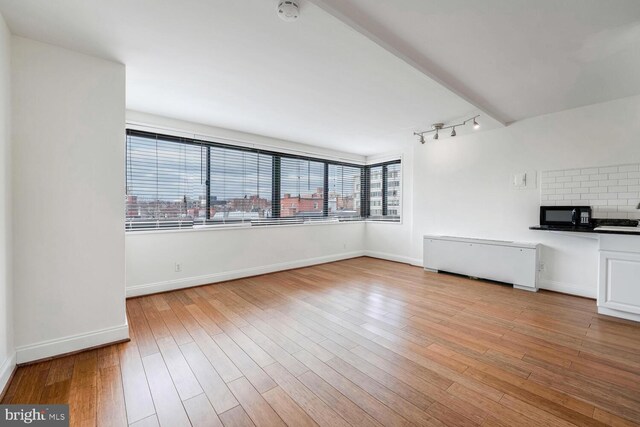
column 520, row 180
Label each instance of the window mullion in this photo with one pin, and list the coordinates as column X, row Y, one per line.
column 365, row 185
column 325, row 196
column 208, row 185
column 276, row 185
column 384, row 190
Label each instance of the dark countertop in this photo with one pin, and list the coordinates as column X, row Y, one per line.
column 582, row 230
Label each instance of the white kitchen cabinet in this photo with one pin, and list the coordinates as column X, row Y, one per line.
column 619, row 281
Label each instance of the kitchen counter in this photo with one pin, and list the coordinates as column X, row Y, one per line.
column 619, row 269
column 598, row 230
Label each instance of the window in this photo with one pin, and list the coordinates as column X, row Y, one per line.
column 344, row 191
column 177, row 182
column 165, row 185
column 384, row 191
column 392, row 193
column 301, row 188
column 375, row 192
column 240, row 185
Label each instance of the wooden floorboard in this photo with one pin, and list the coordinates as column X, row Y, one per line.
column 361, row 342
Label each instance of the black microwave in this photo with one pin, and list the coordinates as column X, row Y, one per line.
column 568, row 216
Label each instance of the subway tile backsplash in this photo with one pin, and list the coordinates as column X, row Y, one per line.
column 612, row 191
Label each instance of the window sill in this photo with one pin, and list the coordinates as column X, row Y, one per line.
column 236, row 227
column 382, row 221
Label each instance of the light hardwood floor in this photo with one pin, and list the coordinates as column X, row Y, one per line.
column 357, row 342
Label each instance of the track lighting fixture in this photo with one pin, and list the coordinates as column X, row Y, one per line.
column 437, row 127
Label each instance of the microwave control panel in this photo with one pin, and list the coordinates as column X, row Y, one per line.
column 584, row 218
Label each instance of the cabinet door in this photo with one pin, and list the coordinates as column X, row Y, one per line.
column 619, row 282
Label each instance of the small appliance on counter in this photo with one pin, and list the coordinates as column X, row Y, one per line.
column 566, row 216
column 612, row 222
column 619, row 225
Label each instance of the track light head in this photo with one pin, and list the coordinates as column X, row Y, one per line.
column 437, row 127
column 422, row 141
column 453, row 131
column 476, row 125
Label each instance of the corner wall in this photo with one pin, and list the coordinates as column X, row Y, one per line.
column 391, row 240
column 68, row 119
column 461, row 186
column 7, row 352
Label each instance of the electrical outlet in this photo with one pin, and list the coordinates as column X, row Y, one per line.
column 541, row 266
column 178, row 267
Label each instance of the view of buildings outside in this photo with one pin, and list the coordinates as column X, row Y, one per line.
column 165, row 181
column 375, row 191
column 344, row 191
column 251, row 207
column 393, row 190
column 302, row 205
column 301, row 188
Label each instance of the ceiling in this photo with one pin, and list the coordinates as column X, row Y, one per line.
column 352, row 75
column 513, row 58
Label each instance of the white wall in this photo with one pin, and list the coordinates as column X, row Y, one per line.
column 68, row 173
column 462, row 186
column 160, row 124
column 7, row 356
column 213, row 255
column 217, row 254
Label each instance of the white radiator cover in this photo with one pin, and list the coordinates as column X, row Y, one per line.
column 503, row 261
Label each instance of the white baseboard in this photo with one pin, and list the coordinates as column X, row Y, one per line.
column 6, row 370
column 171, row 285
column 56, row 347
column 525, row 288
column 616, row 313
column 392, row 257
column 567, row 288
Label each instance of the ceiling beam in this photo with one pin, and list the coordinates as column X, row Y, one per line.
column 410, row 56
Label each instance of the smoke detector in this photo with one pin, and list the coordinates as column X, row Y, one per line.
column 288, row 10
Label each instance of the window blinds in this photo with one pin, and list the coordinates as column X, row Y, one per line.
column 375, row 192
column 383, row 190
column 181, row 183
column 344, row 191
column 240, row 185
column 165, row 182
column 301, row 188
column 392, row 192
